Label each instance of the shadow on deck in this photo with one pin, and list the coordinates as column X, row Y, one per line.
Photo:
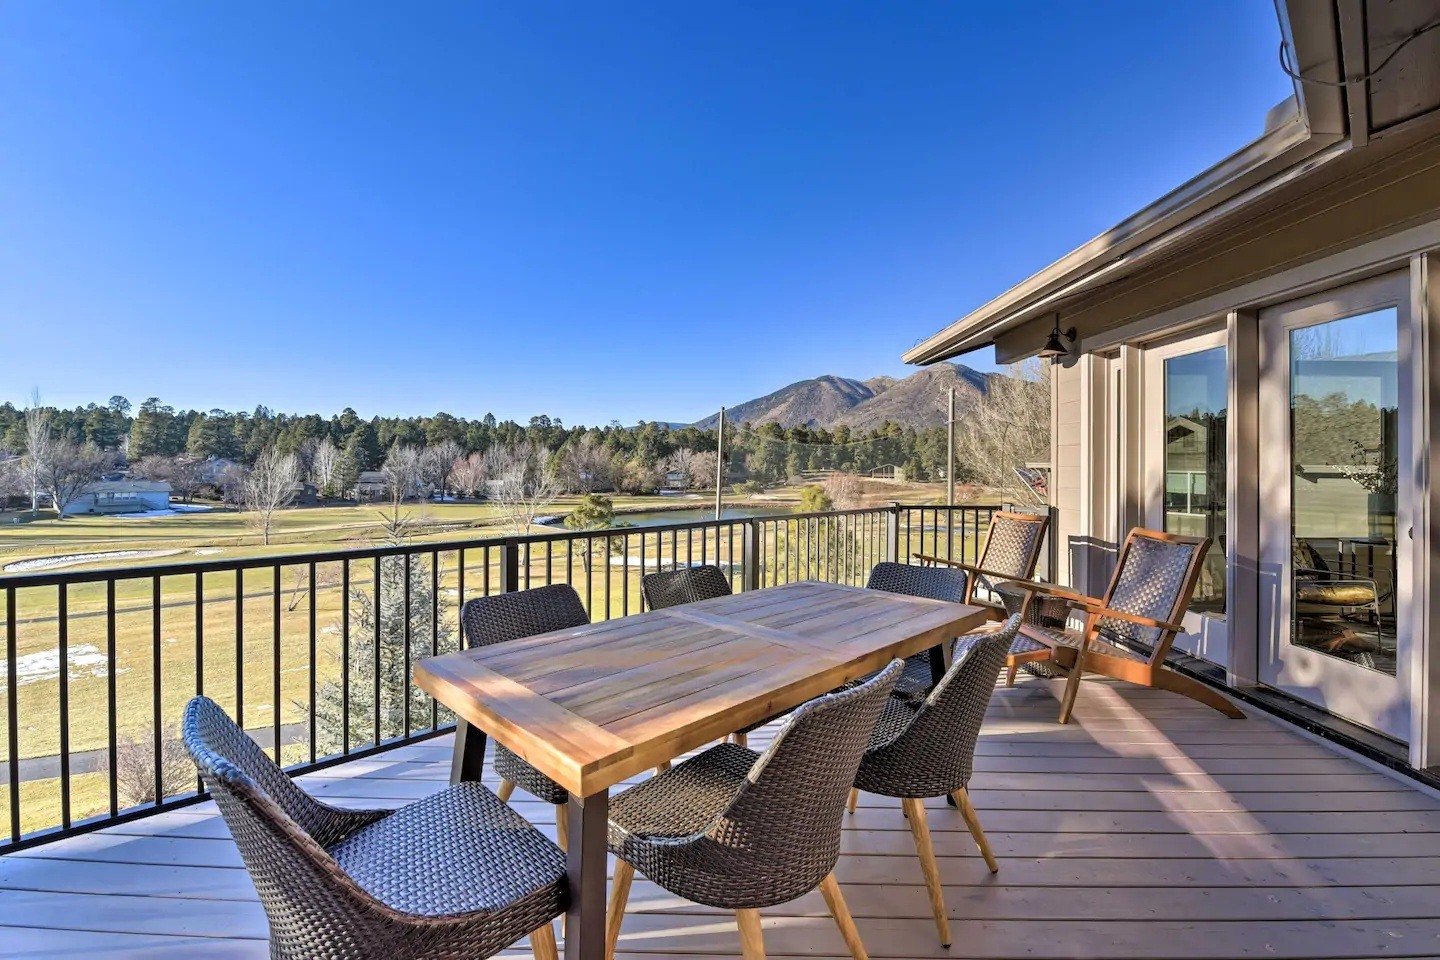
column 1149, row 828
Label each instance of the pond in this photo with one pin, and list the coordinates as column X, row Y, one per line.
column 657, row 518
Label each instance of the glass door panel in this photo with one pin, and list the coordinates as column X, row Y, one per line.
column 1335, row 375
column 1196, row 396
column 1344, row 466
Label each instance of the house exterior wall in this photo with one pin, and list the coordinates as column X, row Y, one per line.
column 1098, row 443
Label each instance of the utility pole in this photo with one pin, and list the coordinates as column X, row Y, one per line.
column 719, row 461
column 950, row 452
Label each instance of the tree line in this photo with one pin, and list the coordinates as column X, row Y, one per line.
column 454, row 454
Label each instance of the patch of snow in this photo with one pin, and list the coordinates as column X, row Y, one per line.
column 64, row 560
column 174, row 510
column 85, row 660
column 207, row 551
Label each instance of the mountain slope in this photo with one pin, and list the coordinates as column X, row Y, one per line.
column 915, row 401
column 814, row 402
column 919, row 400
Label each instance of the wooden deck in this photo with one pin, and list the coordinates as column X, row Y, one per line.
column 1150, row 828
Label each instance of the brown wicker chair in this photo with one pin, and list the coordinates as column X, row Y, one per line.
column 456, row 875
column 1129, row 631
column 512, row 616
column 934, row 583
column 1012, row 549
column 741, row 831
column 671, row 588
column 928, row 750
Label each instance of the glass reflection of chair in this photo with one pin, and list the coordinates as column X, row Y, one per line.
column 1329, row 600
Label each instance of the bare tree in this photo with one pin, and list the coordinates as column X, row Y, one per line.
column 403, row 472
column 70, row 468
column 231, row 482
column 269, row 487
column 468, row 475
column 135, row 767
column 844, row 489
column 682, row 461
column 437, row 462
column 12, row 483
column 586, row 465
column 38, row 443
column 324, row 466
column 702, row 470
column 524, row 483
column 1007, row 428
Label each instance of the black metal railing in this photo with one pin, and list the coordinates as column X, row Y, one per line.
column 311, row 652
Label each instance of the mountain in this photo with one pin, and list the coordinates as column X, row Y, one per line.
column 818, row 401
column 917, row 400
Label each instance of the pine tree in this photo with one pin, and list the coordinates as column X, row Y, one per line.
column 394, row 670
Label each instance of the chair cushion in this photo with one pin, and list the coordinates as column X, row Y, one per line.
column 1335, row 594
column 459, row 851
column 683, row 800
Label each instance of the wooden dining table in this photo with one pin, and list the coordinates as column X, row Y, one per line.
column 592, row 706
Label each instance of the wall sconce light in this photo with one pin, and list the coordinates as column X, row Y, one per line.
column 1054, row 349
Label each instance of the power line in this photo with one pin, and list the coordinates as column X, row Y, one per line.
column 1295, row 74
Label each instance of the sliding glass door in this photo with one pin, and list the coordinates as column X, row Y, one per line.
column 1335, row 504
column 1187, row 391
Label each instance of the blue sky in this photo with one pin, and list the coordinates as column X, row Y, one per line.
column 594, row 210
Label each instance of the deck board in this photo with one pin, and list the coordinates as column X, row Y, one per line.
column 1149, row 828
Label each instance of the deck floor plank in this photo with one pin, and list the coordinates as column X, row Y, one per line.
column 1149, row 828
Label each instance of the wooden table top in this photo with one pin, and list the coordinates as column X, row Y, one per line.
column 591, row 706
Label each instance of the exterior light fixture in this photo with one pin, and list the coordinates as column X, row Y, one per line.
column 1054, row 349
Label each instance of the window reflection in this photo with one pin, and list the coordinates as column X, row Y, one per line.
column 1195, row 482
column 1344, row 413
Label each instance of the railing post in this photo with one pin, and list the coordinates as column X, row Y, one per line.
column 509, row 565
column 750, row 558
column 892, row 533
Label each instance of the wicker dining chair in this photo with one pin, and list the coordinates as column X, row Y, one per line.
column 1128, row 632
column 456, row 875
column 671, row 588
column 742, row 831
column 1012, row 549
column 934, row 583
column 513, row 616
column 928, row 750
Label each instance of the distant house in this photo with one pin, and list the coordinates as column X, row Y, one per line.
column 677, row 479
column 371, row 485
column 120, row 496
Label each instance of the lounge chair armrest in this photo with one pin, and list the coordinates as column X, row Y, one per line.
column 1048, row 589
column 1098, row 609
column 968, row 567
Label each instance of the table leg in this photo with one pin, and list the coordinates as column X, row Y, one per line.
column 938, row 666
column 469, row 759
column 585, row 862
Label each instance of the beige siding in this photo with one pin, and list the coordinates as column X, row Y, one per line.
column 1066, row 482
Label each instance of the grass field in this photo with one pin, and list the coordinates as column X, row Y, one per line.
column 198, row 629
column 226, row 534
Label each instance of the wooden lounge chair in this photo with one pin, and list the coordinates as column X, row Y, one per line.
column 1012, row 548
column 1127, row 632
